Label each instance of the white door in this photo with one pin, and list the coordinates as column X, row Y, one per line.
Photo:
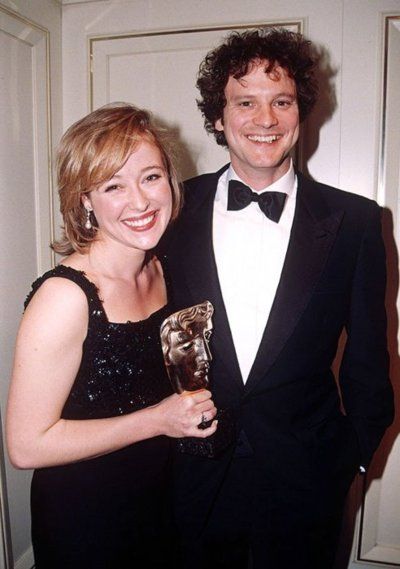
column 157, row 72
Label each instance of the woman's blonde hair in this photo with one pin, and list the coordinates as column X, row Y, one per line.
column 91, row 151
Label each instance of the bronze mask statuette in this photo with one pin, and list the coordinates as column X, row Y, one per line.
column 185, row 337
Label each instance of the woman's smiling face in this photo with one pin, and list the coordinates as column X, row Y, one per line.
column 134, row 206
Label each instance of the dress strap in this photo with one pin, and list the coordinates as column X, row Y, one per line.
column 79, row 278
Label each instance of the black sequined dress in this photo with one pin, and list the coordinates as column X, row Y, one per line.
column 107, row 512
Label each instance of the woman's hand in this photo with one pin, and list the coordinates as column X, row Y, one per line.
column 48, row 355
column 181, row 415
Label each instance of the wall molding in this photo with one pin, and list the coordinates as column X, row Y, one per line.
column 389, row 153
column 378, row 541
column 116, row 61
column 295, row 25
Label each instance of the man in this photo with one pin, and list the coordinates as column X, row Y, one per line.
column 288, row 264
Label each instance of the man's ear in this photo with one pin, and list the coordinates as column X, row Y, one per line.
column 86, row 202
column 219, row 125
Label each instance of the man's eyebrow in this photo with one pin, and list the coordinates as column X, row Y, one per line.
column 288, row 94
column 242, row 97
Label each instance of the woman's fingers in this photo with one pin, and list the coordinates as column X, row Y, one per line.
column 203, row 433
column 181, row 415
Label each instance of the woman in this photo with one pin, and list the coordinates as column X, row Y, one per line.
column 90, row 403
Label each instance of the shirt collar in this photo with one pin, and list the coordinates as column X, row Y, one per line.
column 285, row 184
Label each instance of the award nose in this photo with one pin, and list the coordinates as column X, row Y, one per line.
column 202, row 350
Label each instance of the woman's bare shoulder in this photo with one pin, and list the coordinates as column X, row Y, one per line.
column 59, row 304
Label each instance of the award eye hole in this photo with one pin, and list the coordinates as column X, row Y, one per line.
column 207, row 335
column 186, row 347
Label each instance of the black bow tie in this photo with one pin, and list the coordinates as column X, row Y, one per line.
column 271, row 203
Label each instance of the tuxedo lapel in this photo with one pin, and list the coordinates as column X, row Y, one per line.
column 200, row 272
column 313, row 233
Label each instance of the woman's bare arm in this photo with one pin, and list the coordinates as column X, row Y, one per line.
column 47, row 358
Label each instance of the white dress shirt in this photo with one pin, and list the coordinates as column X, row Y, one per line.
column 250, row 250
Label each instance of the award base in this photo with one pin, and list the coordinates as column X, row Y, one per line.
column 214, row 445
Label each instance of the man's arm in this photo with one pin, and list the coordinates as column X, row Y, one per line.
column 364, row 373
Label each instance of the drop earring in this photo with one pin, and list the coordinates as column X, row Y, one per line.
column 88, row 224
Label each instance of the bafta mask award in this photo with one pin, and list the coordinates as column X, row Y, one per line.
column 185, row 337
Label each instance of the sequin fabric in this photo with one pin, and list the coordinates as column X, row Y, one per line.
column 122, row 368
column 107, row 512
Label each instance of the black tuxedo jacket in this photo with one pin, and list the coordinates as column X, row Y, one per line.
column 290, row 412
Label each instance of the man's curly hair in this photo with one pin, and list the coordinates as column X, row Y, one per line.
column 276, row 46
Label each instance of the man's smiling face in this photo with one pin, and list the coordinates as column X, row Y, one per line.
column 260, row 123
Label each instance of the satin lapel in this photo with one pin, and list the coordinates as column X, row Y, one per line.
column 200, row 271
column 313, row 233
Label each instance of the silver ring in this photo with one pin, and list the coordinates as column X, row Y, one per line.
column 204, row 422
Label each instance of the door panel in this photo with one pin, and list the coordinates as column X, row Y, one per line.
column 156, row 71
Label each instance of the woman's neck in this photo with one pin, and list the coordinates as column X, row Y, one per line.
column 112, row 261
